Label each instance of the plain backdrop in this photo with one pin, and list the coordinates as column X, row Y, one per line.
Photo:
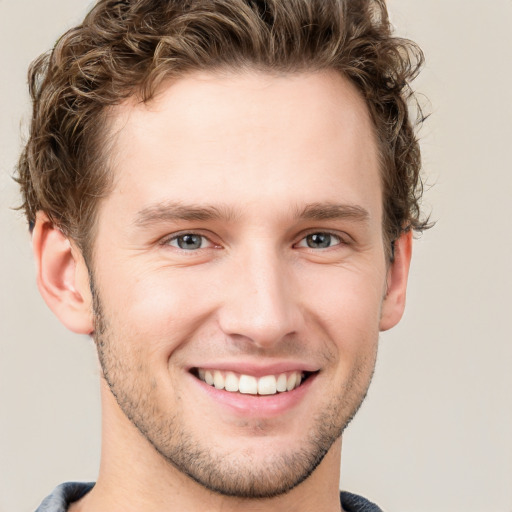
column 435, row 434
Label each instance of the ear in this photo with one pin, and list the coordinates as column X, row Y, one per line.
column 396, row 283
column 62, row 276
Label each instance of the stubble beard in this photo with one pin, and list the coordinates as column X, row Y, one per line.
column 229, row 474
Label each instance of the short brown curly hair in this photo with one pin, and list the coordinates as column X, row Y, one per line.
column 127, row 48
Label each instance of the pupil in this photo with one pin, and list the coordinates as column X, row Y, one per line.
column 189, row 242
column 319, row 240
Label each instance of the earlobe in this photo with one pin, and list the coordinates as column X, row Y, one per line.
column 394, row 301
column 62, row 276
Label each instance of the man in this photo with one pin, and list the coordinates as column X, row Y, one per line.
column 222, row 193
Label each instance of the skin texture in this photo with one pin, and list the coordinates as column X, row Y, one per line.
column 253, row 165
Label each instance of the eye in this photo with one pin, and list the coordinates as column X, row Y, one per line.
column 189, row 242
column 319, row 240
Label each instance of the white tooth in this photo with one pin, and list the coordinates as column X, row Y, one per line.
column 218, row 380
column 281, row 383
column 248, row 385
column 208, row 377
column 299, row 380
column 267, row 385
column 201, row 373
column 231, row 382
column 290, row 383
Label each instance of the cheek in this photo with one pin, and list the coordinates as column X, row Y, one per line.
column 347, row 294
column 348, row 308
column 156, row 309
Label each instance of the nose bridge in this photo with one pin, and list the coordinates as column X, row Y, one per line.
column 260, row 303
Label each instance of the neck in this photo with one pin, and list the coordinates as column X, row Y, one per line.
column 140, row 479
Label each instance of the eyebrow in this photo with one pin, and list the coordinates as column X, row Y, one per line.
column 173, row 211
column 333, row 211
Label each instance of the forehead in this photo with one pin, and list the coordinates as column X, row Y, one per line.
column 246, row 138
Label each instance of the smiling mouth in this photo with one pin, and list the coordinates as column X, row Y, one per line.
column 250, row 385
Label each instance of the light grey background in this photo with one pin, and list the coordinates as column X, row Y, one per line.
column 435, row 434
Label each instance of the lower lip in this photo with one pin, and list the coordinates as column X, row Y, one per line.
column 257, row 406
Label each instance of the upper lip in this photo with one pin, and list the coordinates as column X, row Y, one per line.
column 255, row 369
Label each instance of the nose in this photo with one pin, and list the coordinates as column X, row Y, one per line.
column 261, row 303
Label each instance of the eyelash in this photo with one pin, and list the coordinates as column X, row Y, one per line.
column 337, row 236
column 339, row 240
column 168, row 241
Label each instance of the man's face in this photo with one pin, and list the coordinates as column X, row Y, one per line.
column 242, row 242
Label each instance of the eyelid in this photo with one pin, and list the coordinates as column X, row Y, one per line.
column 343, row 238
column 166, row 240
